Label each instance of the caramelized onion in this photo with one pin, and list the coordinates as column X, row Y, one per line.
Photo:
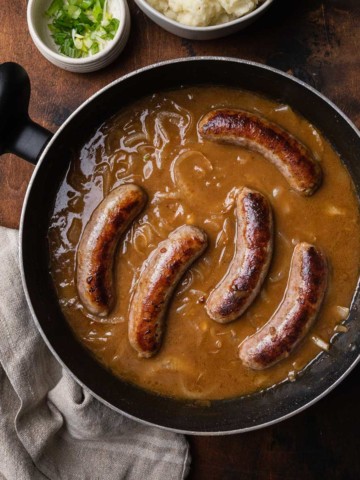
column 131, row 143
column 343, row 312
column 198, row 392
column 190, row 171
column 172, row 364
column 223, row 236
column 160, row 196
column 186, row 283
column 341, row 329
column 277, row 276
column 229, row 201
column 141, row 238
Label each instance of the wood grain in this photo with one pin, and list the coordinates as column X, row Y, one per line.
column 318, row 42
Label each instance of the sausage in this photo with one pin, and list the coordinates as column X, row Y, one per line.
column 296, row 313
column 250, row 264
column 96, row 250
column 290, row 156
column 158, row 278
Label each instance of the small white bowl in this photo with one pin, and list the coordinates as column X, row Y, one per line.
column 201, row 33
column 40, row 33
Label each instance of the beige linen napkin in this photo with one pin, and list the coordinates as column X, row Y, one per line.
column 49, row 426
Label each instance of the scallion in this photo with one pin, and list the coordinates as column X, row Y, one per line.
column 81, row 27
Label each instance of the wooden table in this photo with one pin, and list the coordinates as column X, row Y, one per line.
column 317, row 41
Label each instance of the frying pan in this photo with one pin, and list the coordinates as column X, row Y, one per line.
column 52, row 154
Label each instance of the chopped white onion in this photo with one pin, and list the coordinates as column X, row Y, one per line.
column 343, row 312
column 333, row 210
column 341, row 329
column 320, row 343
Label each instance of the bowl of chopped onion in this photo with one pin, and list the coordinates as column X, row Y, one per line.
column 79, row 35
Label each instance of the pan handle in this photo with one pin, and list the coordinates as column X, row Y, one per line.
column 18, row 133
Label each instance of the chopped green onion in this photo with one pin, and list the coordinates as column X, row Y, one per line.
column 81, row 27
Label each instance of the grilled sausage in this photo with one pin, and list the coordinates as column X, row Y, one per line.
column 296, row 313
column 96, row 251
column 290, row 156
column 253, row 251
column 158, row 279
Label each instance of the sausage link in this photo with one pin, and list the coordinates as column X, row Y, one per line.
column 296, row 313
column 250, row 264
column 291, row 157
column 96, row 251
column 158, row 279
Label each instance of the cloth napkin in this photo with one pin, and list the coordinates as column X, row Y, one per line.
column 52, row 428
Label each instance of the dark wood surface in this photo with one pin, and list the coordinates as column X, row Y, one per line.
column 318, row 42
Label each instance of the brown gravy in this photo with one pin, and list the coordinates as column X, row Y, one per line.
column 154, row 143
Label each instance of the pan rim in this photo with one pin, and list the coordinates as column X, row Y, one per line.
column 22, row 258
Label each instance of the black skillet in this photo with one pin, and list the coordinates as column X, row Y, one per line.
column 52, row 154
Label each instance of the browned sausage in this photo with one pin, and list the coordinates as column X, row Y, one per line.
column 290, row 156
column 253, row 251
column 158, row 279
column 96, row 251
column 296, row 313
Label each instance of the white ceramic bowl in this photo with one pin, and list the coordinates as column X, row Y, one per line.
column 40, row 33
column 201, row 33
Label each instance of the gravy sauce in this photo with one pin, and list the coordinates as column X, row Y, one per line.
column 154, row 143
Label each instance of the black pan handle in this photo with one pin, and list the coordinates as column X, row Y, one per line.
column 18, row 133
